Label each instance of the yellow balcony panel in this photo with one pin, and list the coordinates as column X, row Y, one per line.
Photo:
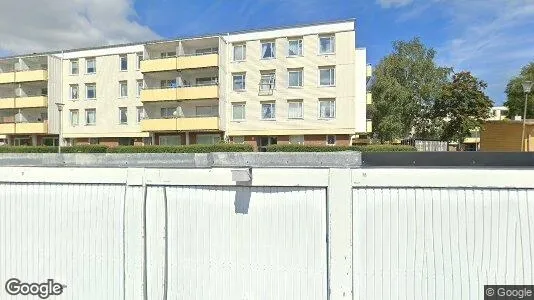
column 200, row 123
column 37, row 101
column 6, row 103
column 185, row 93
column 8, row 77
column 369, row 98
column 369, row 71
column 28, row 76
column 7, row 128
column 198, row 61
column 369, row 126
column 31, row 128
column 158, row 65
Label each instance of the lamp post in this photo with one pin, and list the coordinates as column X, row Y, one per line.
column 527, row 86
column 60, row 109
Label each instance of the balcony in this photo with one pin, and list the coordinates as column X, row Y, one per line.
column 184, row 124
column 24, row 76
column 180, row 63
column 7, row 103
column 34, row 101
column 31, row 128
column 369, row 98
column 369, row 71
column 369, row 126
column 180, row 93
column 8, row 77
column 7, row 128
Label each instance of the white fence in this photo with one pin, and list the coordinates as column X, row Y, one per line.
column 322, row 232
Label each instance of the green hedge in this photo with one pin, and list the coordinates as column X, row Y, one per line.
column 84, row 149
column 183, row 149
column 53, row 149
column 361, row 148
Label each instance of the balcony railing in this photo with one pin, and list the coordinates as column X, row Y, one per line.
column 33, row 127
column 184, row 92
column 181, row 123
column 181, row 62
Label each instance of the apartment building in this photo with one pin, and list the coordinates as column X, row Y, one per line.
column 302, row 84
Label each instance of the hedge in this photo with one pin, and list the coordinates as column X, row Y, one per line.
column 360, row 148
column 196, row 148
column 53, row 149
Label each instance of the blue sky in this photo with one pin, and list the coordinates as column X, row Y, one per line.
column 491, row 38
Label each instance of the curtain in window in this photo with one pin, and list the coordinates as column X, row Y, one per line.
column 326, row 45
column 295, row 110
column 267, row 50
column 124, row 116
column 327, row 109
column 74, row 118
column 294, row 47
column 268, row 111
column 295, row 78
column 239, row 53
column 91, row 117
column 238, row 112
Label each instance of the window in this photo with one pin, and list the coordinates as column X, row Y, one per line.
column 74, row 67
column 296, row 139
column 170, row 140
column 327, row 76
column 74, row 117
column 295, row 47
column 168, row 54
column 140, row 114
column 294, row 110
column 208, row 139
column 238, row 111
column 139, row 87
column 326, row 44
column 267, row 81
column 327, row 108
column 167, row 112
column 268, row 111
column 168, row 83
column 123, row 87
column 90, row 90
column 91, row 65
column 240, row 52
column 74, row 89
column 123, row 115
column 267, row 50
column 139, row 59
column 239, row 82
column 206, row 81
column 90, row 116
column 207, row 111
column 295, row 78
column 205, row 51
column 124, row 62
column 238, row 139
column 330, row 139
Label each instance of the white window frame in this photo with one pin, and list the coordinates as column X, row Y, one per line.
column 87, row 85
column 273, row 49
column 332, row 100
column 77, row 61
column 140, row 85
column 301, row 71
column 240, row 104
column 300, row 44
column 71, row 114
column 244, row 79
column 121, row 109
column 121, row 83
column 244, row 53
column 121, row 57
column 335, row 140
column 299, row 139
column 298, row 101
column 273, row 110
column 267, row 80
column 87, row 110
column 140, row 114
column 71, row 88
column 332, row 76
column 87, row 60
column 139, row 58
column 332, row 37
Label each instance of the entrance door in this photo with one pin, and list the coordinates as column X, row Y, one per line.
column 264, row 141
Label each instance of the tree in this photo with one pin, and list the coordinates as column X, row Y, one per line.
column 515, row 95
column 464, row 106
column 408, row 81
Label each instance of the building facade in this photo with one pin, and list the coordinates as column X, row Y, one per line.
column 302, row 84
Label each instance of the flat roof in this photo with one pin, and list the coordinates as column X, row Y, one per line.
column 178, row 38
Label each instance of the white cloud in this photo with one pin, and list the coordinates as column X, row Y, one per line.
column 34, row 25
column 394, row 3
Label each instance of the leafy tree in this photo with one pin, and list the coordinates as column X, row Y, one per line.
column 408, row 81
column 515, row 95
column 464, row 106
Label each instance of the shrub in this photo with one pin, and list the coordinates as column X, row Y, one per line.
column 360, row 148
column 183, row 149
column 84, row 149
column 28, row 149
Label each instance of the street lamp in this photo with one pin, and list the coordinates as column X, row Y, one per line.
column 527, row 86
column 60, row 109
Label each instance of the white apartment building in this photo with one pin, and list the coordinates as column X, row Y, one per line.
column 302, row 84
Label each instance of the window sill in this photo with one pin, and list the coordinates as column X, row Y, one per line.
column 267, row 58
column 239, row 61
column 240, row 91
column 90, row 73
column 326, row 119
column 74, row 74
column 90, row 124
column 123, row 97
column 295, row 87
column 124, row 70
column 74, row 100
column 294, row 56
column 327, row 86
column 90, row 99
column 302, row 118
column 326, row 54
column 238, row 121
column 268, row 120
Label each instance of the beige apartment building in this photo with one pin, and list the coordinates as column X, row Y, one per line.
column 302, row 84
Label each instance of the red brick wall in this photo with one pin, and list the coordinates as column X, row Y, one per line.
column 110, row 142
column 251, row 140
column 282, row 139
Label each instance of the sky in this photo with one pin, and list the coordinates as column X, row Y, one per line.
column 491, row 38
